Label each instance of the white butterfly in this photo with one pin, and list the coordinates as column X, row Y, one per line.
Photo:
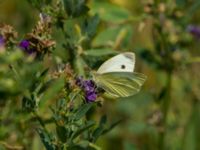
column 117, row 78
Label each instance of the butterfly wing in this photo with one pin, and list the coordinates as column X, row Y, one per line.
column 124, row 62
column 120, row 84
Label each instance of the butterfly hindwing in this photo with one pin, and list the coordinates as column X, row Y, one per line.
column 120, row 84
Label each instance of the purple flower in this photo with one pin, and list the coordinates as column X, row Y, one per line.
column 91, row 96
column 25, row 45
column 2, row 41
column 88, row 87
column 194, row 30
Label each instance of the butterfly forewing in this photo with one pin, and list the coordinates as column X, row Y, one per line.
column 120, row 84
column 124, row 62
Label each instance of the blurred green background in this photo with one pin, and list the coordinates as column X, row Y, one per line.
column 125, row 25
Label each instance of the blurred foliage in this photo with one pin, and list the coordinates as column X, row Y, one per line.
column 39, row 108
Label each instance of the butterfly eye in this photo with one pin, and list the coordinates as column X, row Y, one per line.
column 123, row 66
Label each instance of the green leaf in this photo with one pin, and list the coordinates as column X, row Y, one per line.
column 110, row 12
column 85, row 127
column 44, row 86
column 79, row 64
column 44, row 72
column 100, row 129
column 109, row 36
column 46, row 139
column 83, row 110
column 28, row 104
column 71, row 33
column 103, row 120
column 193, row 9
column 100, row 52
column 106, row 37
column 53, row 90
column 75, row 8
column 84, row 144
column 112, row 126
column 97, row 133
column 192, row 133
column 89, row 25
column 62, row 133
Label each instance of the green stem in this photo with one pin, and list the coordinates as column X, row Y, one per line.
column 193, row 124
column 197, row 124
column 15, row 71
column 94, row 146
column 165, row 109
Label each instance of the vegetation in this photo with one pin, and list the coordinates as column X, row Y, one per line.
column 48, row 50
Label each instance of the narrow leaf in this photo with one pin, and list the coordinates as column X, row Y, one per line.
column 100, row 129
column 112, row 126
column 46, row 140
column 99, row 52
column 82, row 111
column 88, row 125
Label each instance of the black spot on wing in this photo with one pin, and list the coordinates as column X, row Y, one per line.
column 123, row 66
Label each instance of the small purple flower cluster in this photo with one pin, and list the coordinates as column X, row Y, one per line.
column 194, row 30
column 88, row 87
column 2, row 41
column 25, row 45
